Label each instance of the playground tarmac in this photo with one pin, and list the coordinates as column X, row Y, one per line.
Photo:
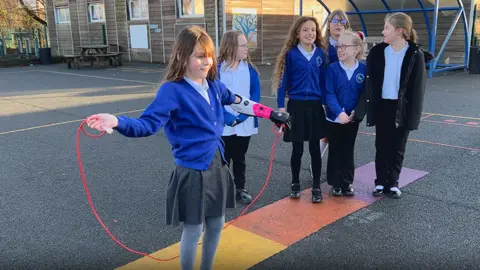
column 46, row 222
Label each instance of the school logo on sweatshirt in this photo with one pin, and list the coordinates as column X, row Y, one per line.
column 360, row 78
column 319, row 61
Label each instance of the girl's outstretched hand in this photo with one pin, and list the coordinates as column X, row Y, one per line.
column 102, row 122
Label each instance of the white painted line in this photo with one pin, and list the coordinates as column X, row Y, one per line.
column 14, row 72
column 98, row 77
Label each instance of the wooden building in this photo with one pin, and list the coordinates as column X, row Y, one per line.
column 145, row 29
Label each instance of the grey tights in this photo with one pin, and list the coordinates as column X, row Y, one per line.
column 189, row 242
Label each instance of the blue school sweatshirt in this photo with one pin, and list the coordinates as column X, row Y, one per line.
column 193, row 127
column 342, row 94
column 254, row 95
column 332, row 54
column 303, row 79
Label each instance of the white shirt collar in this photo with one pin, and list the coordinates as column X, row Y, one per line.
column 351, row 68
column 302, row 50
column 333, row 42
column 241, row 66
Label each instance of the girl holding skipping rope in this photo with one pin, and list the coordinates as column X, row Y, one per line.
column 239, row 74
column 300, row 75
column 189, row 105
column 345, row 82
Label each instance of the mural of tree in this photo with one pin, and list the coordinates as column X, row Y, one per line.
column 247, row 23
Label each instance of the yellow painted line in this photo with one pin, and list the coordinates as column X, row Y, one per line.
column 57, row 124
column 98, row 77
column 238, row 249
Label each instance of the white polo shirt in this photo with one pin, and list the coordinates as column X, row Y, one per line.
column 392, row 73
column 238, row 82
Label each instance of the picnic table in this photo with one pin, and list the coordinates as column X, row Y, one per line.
column 94, row 53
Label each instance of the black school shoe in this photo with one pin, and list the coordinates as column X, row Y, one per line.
column 394, row 192
column 243, row 196
column 337, row 191
column 295, row 193
column 378, row 191
column 348, row 191
column 317, row 196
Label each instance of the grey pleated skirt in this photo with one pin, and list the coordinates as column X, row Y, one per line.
column 193, row 195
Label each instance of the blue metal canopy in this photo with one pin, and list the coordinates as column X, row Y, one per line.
column 435, row 66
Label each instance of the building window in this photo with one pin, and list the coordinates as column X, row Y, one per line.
column 96, row 12
column 138, row 9
column 190, row 8
column 62, row 15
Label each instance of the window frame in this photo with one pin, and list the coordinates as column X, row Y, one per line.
column 57, row 15
column 180, row 10
column 142, row 17
column 90, row 15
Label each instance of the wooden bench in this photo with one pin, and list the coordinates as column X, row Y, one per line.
column 114, row 58
column 75, row 58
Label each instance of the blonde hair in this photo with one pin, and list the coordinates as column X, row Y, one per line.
column 403, row 21
column 228, row 49
column 340, row 13
column 292, row 41
column 184, row 47
column 357, row 40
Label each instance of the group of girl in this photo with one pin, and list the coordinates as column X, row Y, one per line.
column 330, row 89
column 324, row 81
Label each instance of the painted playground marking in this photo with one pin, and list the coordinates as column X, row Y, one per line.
column 58, row 124
column 273, row 228
column 97, row 77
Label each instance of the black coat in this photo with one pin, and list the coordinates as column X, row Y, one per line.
column 411, row 92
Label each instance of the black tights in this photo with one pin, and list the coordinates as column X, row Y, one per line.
column 296, row 162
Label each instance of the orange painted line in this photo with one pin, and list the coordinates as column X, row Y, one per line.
column 290, row 220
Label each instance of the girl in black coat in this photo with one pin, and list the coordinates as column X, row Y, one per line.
column 393, row 99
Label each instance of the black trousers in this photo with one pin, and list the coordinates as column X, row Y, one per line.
column 296, row 161
column 390, row 143
column 341, row 160
column 235, row 150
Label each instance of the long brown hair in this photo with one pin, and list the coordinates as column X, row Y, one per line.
column 184, row 47
column 228, row 49
column 292, row 41
column 402, row 20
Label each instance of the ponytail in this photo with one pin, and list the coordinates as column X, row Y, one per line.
column 413, row 36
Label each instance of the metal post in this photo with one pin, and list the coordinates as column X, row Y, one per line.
column 447, row 38
column 433, row 39
column 386, row 5
column 427, row 21
column 467, row 36
column 301, row 7
column 364, row 27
